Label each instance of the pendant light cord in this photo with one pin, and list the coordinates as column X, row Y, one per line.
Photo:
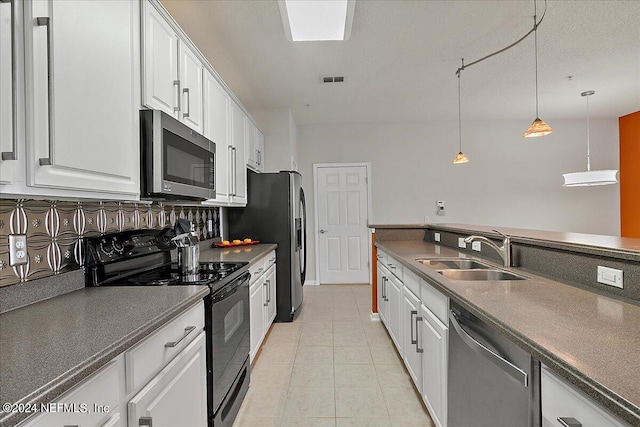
column 535, row 27
column 459, row 115
column 588, row 138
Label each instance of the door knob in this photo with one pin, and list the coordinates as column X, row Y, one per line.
column 323, row 231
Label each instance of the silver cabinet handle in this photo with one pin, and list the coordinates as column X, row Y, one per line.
column 176, row 83
column 323, row 231
column 569, row 422
column 268, row 290
column 418, row 321
column 46, row 22
column 187, row 331
column 234, row 158
column 188, row 102
column 259, row 271
column 145, row 421
column 508, row 367
column 266, row 303
column 13, row 154
column 384, row 288
column 413, row 313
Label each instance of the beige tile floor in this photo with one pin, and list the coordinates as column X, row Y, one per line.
column 333, row 366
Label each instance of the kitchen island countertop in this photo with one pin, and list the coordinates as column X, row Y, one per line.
column 48, row 347
column 589, row 339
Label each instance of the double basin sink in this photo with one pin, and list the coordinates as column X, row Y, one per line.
column 468, row 269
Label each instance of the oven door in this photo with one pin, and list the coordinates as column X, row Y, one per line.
column 230, row 339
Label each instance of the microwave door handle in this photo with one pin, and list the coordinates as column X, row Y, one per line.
column 187, row 102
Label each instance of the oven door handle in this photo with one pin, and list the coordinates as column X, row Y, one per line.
column 226, row 292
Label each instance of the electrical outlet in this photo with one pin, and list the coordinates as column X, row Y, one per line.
column 440, row 207
column 436, row 237
column 461, row 243
column 426, row 219
column 18, row 249
column 476, row 246
column 610, row 276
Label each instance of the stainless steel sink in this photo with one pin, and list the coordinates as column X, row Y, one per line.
column 487, row 274
column 453, row 263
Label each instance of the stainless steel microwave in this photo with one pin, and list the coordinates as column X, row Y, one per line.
column 176, row 161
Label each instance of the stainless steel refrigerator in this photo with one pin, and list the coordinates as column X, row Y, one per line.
column 276, row 213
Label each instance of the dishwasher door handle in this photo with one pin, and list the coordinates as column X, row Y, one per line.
column 508, row 367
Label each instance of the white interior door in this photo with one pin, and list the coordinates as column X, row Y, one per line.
column 343, row 235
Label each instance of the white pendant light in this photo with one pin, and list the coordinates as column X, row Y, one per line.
column 589, row 177
column 460, row 157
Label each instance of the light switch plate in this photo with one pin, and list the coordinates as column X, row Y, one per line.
column 476, row 246
column 610, row 276
column 461, row 243
column 436, row 237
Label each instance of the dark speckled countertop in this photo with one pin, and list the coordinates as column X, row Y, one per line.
column 250, row 253
column 591, row 340
column 48, row 347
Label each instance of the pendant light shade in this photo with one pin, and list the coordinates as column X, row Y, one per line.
column 590, row 178
column 538, row 127
column 460, row 158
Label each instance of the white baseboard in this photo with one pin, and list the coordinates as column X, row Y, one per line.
column 311, row 283
column 375, row 317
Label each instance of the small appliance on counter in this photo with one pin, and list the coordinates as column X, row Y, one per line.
column 176, row 161
column 276, row 213
column 188, row 250
column 143, row 258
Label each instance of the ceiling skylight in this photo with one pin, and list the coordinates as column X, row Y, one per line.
column 312, row 20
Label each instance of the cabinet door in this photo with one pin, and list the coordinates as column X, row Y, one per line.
column 270, row 312
column 177, row 396
column 259, row 141
column 160, row 63
column 238, row 161
column 216, row 128
column 82, row 59
column 191, row 77
column 434, row 337
column 412, row 344
column 257, row 301
column 250, row 144
column 394, row 295
column 8, row 106
column 382, row 294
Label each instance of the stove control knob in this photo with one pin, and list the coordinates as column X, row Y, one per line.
column 117, row 246
column 106, row 248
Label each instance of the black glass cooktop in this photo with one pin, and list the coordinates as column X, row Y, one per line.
column 209, row 273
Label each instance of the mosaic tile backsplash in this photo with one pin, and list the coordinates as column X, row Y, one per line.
column 55, row 230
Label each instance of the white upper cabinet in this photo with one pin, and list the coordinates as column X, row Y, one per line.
column 8, row 71
column 259, row 148
column 82, row 96
column 160, row 65
column 254, row 146
column 216, row 128
column 238, row 163
column 190, row 76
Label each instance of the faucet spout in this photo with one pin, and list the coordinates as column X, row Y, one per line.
column 504, row 251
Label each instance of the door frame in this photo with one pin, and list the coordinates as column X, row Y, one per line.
column 317, row 166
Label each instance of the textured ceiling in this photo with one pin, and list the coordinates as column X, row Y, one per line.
column 400, row 62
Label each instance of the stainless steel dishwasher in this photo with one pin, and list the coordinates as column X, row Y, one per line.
column 492, row 381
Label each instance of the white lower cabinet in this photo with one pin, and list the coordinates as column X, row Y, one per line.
column 412, row 349
column 95, row 402
column 383, row 303
column 262, row 300
column 434, row 340
column 177, row 396
column 562, row 403
column 394, row 295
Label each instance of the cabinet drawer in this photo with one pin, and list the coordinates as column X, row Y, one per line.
column 412, row 282
column 257, row 269
column 560, row 399
column 435, row 301
column 269, row 260
column 148, row 357
column 395, row 267
column 382, row 257
column 95, row 402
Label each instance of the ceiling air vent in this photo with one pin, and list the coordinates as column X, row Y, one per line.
column 336, row 79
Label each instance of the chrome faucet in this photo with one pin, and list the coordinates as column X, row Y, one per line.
column 504, row 251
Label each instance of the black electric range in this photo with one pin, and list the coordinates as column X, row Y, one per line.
column 143, row 258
